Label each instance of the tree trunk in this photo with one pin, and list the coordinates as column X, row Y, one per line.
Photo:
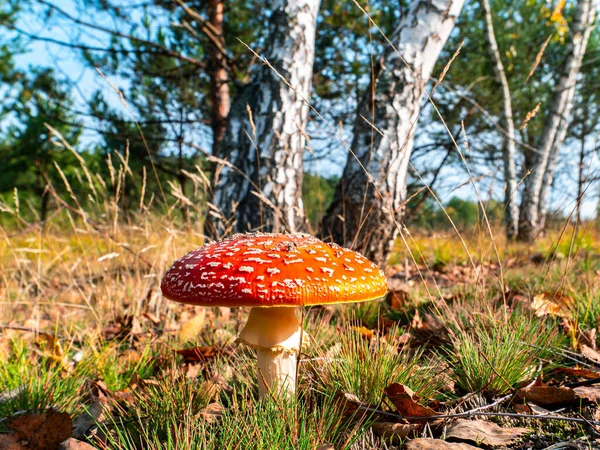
column 264, row 141
column 548, row 178
column 511, row 207
column 368, row 201
column 553, row 134
column 581, row 179
column 219, row 87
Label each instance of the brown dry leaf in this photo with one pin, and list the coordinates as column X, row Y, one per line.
column 554, row 304
column 547, row 395
column 212, row 412
column 10, row 442
column 42, row 431
column 350, row 403
column 436, row 444
column 484, row 432
column 522, row 408
column 325, row 447
column 590, row 393
column 398, row 299
column 74, row 444
column 390, row 430
column 590, row 353
column 200, row 353
column 192, row 328
column 121, row 328
column 578, row 372
column 406, row 401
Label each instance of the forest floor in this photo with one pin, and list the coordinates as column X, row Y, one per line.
column 490, row 347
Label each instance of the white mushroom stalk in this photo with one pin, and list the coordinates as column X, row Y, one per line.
column 275, row 333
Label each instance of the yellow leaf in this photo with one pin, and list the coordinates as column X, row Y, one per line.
column 192, row 328
column 554, row 304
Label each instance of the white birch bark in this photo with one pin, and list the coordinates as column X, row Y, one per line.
column 511, row 206
column 266, row 195
column 548, row 178
column 360, row 216
column 544, row 160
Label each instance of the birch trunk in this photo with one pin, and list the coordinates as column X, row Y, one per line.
column 553, row 134
column 261, row 189
column 368, row 205
column 548, row 178
column 511, row 207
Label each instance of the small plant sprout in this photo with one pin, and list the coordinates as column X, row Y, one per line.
column 273, row 274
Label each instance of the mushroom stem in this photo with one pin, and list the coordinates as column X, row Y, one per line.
column 275, row 334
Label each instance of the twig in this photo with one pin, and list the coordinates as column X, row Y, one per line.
column 589, row 382
column 486, row 414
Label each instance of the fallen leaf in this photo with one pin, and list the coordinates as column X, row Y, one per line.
column 121, row 328
column 74, row 444
column 547, row 395
column 436, row 444
column 579, row 373
column 325, row 447
column 349, row 403
column 483, row 432
column 406, row 401
column 212, row 412
column 554, row 304
column 42, row 431
column 390, row 430
column 590, row 393
column 192, row 328
column 10, row 442
column 200, row 353
column 398, row 299
column 590, row 353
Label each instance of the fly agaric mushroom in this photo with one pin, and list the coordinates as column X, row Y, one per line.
column 273, row 274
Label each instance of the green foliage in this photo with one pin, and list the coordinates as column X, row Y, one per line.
column 33, row 383
column 495, row 356
column 364, row 366
column 317, row 193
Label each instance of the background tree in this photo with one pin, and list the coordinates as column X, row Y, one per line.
column 369, row 197
column 261, row 186
column 30, row 158
column 543, row 161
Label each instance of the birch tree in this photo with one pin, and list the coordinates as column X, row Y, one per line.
column 259, row 185
column 507, row 124
column 368, row 201
column 543, row 161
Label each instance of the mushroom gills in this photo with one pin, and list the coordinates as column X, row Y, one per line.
column 275, row 333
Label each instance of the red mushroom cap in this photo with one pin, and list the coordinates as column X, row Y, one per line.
column 272, row 270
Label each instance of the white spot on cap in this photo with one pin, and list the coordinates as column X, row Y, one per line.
column 273, row 271
column 246, row 269
column 327, row 270
column 258, row 260
column 320, row 259
column 292, row 261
